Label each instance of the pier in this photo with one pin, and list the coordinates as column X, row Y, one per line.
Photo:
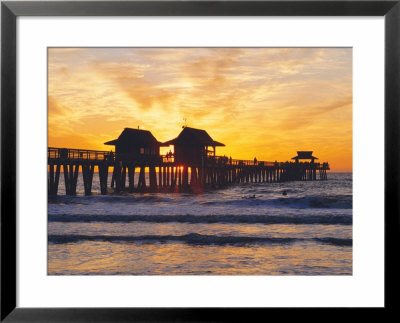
column 163, row 173
column 194, row 165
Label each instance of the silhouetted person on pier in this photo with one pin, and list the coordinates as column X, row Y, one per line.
column 255, row 160
column 230, row 160
column 169, row 154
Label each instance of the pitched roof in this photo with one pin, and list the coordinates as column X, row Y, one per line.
column 192, row 136
column 137, row 137
column 304, row 155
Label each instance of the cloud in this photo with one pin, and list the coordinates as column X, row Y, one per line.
column 263, row 101
column 55, row 108
column 291, row 120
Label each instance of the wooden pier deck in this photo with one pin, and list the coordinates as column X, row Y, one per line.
column 163, row 174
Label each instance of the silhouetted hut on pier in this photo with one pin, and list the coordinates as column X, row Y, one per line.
column 304, row 155
column 192, row 146
column 136, row 145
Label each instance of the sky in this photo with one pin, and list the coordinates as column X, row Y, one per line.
column 266, row 103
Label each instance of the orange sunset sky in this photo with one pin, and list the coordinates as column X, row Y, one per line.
column 260, row 102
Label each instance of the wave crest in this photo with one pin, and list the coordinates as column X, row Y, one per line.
column 194, row 239
column 206, row 219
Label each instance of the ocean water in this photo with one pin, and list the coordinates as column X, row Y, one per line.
column 246, row 229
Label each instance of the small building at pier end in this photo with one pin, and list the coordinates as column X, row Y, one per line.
column 193, row 145
column 305, row 155
column 136, row 145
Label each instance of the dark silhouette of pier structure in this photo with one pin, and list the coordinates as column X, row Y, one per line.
column 193, row 167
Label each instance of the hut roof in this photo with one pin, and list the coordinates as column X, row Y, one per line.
column 138, row 137
column 304, row 155
column 192, row 136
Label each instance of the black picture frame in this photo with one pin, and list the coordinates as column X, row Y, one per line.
column 11, row 10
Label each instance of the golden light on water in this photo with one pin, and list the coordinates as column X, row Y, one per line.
column 177, row 259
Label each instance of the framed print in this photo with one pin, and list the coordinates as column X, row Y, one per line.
column 196, row 159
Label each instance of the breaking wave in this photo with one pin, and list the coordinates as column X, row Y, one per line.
column 249, row 200
column 194, row 239
column 314, row 202
column 208, row 219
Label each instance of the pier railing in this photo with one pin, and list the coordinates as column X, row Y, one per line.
column 83, row 154
column 223, row 160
